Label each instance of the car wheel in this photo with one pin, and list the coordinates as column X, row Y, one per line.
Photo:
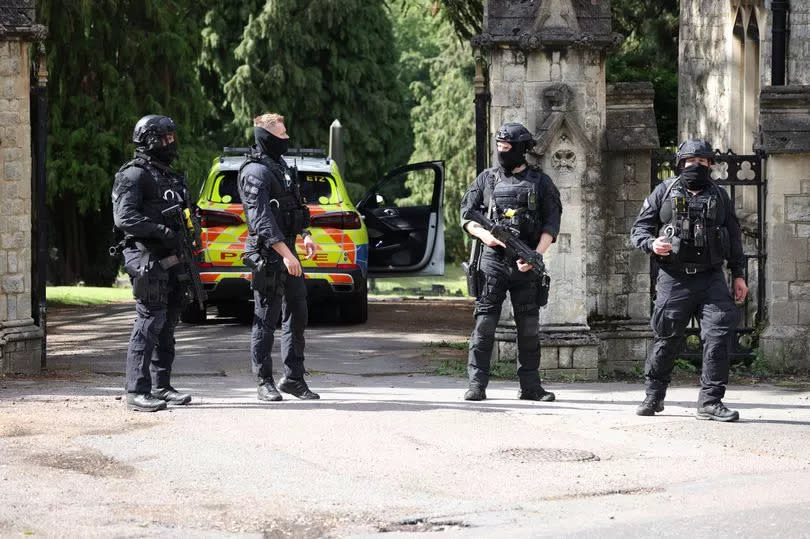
column 355, row 311
column 192, row 314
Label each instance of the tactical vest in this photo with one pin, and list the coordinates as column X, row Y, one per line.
column 166, row 190
column 698, row 221
column 515, row 204
column 284, row 195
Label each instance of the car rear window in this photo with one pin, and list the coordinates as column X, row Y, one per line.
column 316, row 188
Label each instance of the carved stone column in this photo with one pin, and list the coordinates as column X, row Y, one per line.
column 547, row 71
column 20, row 338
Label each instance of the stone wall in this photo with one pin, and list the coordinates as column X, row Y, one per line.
column 559, row 96
column 20, row 340
column 618, row 273
column 797, row 70
column 785, row 136
column 704, row 78
column 567, row 124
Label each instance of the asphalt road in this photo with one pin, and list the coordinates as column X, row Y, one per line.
column 389, row 450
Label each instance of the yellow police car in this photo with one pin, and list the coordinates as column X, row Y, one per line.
column 396, row 229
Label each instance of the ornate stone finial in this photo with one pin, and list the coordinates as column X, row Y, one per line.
column 42, row 66
column 533, row 24
column 557, row 14
column 479, row 80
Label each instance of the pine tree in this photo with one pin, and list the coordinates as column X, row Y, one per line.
column 111, row 62
column 314, row 61
column 440, row 68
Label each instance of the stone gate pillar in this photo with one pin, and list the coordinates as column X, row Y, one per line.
column 547, row 70
column 785, row 138
column 20, row 338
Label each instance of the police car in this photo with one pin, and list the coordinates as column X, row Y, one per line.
column 396, row 229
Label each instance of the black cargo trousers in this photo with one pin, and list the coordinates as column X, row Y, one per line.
column 498, row 278
column 285, row 295
column 159, row 297
column 679, row 296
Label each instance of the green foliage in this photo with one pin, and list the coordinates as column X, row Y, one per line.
column 636, row 371
column 125, row 59
column 451, row 367
column 446, row 344
column 499, row 370
column 649, row 52
column 86, row 295
column 312, row 61
column 466, row 16
column 759, row 367
column 109, row 64
column 454, row 282
column 439, row 68
column 685, row 366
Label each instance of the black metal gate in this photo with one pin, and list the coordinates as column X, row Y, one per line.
column 742, row 176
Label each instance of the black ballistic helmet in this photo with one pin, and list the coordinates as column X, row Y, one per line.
column 694, row 148
column 513, row 132
column 149, row 130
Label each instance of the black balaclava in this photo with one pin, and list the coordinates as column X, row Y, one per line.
column 513, row 158
column 269, row 143
column 696, row 177
column 165, row 154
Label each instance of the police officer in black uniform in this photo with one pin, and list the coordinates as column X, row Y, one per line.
column 527, row 201
column 143, row 188
column 275, row 216
column 689, row 225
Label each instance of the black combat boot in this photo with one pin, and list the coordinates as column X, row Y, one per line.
column 171, row 395
column 267, row 390
column 650, row 406
column 297, row 388
column 475, row 393
column 536, row 394
column 144, row 402
column 718, row 412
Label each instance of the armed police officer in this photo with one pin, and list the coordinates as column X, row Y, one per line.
column 527, row 202
column 689, row 225
column 144, row 187
column 275, row 216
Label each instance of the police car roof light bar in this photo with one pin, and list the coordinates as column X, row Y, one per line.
column 306, row 152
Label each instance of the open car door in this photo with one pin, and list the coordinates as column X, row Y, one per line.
column 405, row 222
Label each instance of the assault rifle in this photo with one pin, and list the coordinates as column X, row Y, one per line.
column 514, row 247
column 188, row 241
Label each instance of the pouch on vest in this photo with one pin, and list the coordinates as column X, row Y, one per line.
column 543, row 288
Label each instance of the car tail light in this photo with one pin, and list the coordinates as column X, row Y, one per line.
column 205, row 265
column 336, row 219
column 348, row 266
column 214, row 218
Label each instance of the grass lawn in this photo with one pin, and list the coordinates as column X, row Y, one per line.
column 86, row 295
column 453, row 281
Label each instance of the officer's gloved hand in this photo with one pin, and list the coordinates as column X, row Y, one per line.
column 167, row 236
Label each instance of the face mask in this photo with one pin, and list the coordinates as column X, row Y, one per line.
column 165, row 154
column 269, row 143
column 513, row 158
column 696, row 177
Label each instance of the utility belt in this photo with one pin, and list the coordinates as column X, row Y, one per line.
column 679, row 268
